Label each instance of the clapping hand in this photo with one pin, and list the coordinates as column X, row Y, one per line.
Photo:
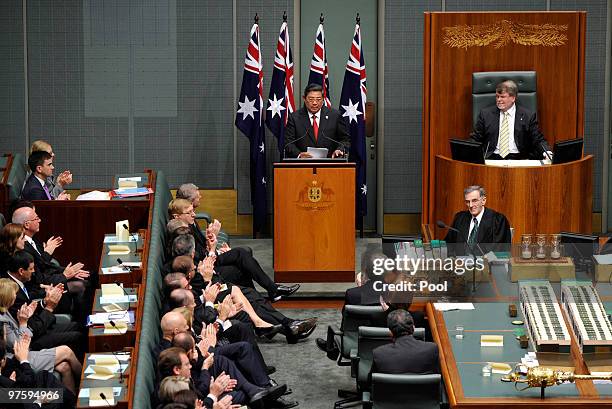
column 64, row 178
column 21, row 348
column 211, row 292
column 225, row 403
column 25, row 312
column 224, row 248
column 52, row 244
column 63, row 196
column 211, row 241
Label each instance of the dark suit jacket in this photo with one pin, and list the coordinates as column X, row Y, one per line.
column 363, row 295
column 493, row 231
column 527, row 134
column 331, row 125
column 406, row 355
column 46, row 272
column 33, row 190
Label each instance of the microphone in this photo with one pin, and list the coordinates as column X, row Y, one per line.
column 443, row 225
column 294, row 141
column 335, row 141
column 103, row 396
column 118, row 284
column 128, row 268
column 486, row 152
column 125, row 226
column 545, row 151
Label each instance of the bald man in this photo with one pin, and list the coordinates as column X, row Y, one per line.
column 74, row 278
column 171, row 324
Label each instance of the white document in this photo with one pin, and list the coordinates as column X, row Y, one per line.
column 603, row 258
column 130, row 179
column 119, row 356
column 94, row 195
column 84, row 393
column 317, row 153
column 452, row 306
column 115, row 270
column 513, row 163
column 121, row 232
column 118, row 299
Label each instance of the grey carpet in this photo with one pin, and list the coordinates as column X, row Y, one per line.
column 313, row 377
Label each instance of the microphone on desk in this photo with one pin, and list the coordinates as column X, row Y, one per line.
column 337, row 142
column 298, row 139
column 125, row 226
column 443, row 225
column 103, row 396
column 117, row 283
column 128, row 268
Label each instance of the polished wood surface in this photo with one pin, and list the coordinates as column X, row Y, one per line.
column 447, row 101
column 4, row 174
column 545, row 199
column 314, row 241
column 589, row 397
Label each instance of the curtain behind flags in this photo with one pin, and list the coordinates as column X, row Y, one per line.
column 319, row 73
column 249, row 119
column 352, row 108
column 281, row 102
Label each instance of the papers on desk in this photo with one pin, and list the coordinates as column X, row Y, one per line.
column 117, row 356
column 491, row 340
column 95, row 396
column 113, row 239
column 105, row 367
column 603, row 258
column 94, row 195
column 513, row 163
column 115, row 270
column 317, row 153
column 500, row 368
column 123, row 299
column 132, row 192
column 112, row 290
column 453, row 306
column 530, row 360
column 102, row 317
column 115, row 327
column 118, row 249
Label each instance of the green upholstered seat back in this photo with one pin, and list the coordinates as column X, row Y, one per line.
column 484, row 83
column 369, row 339
column 405, row 391
column 354, row 316
column 16, row 177
column 150, row 331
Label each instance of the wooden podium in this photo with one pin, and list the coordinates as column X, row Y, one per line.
column 544, row 199
column 314, row 221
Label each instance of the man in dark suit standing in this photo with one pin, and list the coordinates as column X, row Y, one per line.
column 510, row 131
column 406, row 354
column 35, row 187
column 315, row 125
column 479, row 226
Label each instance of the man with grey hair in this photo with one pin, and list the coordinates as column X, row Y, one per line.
column 510, row 131
column 190, row 192
column 479, row 227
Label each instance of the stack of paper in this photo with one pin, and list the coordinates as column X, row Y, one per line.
column 105, row 368
column 118, row 249
column 452, row 306
column 94, row 195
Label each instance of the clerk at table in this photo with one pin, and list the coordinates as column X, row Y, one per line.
column 509, row 131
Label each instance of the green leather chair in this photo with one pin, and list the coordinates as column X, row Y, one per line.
column 484, row 83
column 404, row 392
column 16, row 177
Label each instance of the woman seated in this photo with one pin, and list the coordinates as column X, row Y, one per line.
column 60, row 358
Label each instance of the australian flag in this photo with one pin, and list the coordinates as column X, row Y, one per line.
column 319, row 73
column 352, row 108
column 249, row 119
column 281, row 102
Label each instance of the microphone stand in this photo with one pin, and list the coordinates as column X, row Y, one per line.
column 471, row 247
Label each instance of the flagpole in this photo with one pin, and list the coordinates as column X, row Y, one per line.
column 358, row 21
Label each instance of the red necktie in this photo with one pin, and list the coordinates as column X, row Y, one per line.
column 315, row 126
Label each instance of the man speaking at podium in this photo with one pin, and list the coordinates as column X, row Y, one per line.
column 316, row 126
column 510, row 131
column 481, row 227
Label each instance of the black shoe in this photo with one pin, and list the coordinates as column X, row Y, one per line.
column 267, row 395
column 284, row 291
column 268, row 332
column 298, row 327
column 307, row 333
column 282, row 403
column 270, row 369
column 322, row 344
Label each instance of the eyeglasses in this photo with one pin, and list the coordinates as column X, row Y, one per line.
column 312, row 99
column 189, row 212
column 36, row 219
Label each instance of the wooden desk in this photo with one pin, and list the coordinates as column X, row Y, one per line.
column 544, row 199
column 101, row 342
column 461, row 363
column 129, row 278
column 121, row 400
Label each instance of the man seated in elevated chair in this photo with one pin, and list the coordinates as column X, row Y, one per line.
column 509, row 131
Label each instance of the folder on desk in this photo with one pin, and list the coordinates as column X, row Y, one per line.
column 112, row 290
column 118, row 249
column 491, row 340
column 120, row 327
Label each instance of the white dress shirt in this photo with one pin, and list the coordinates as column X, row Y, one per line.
column 479, row 218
